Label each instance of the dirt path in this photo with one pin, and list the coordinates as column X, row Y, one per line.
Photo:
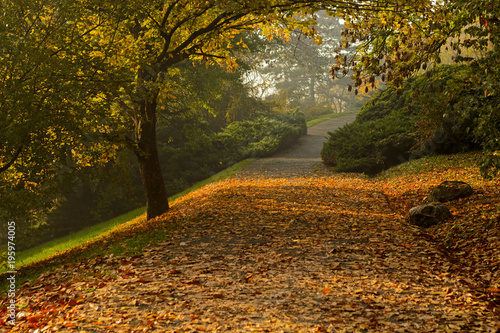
column 309, row 252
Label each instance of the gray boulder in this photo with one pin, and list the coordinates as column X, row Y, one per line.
column 450, row 190
column 429, row 214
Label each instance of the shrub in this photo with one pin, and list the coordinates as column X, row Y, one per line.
column 449, row 108
column 370, row 146
column 438, row 113
column 263, row 136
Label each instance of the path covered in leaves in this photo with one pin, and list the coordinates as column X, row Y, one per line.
column 268, row 251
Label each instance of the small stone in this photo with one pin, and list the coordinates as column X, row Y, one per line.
column 429, row 214
column 450, row 190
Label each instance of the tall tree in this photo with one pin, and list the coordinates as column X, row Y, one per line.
column 162, row 36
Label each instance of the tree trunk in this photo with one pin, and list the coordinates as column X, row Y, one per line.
column 149, row 163
column 312, row 90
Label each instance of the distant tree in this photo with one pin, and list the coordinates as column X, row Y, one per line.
column 298, row 66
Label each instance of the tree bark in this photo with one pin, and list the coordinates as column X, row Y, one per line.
column 149, row 162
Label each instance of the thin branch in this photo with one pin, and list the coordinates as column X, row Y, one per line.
column 13, row 160
column 208, row 55
column 168, row 36
column 168, row 12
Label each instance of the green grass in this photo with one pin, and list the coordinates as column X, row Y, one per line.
column 72, row 240
column 226, row 173
column 327, row 117
column 88, row 234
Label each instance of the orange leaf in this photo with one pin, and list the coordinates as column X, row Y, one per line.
column 34, row 319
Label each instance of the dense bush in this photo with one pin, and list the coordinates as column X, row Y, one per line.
column 264, row 136
column 462, row 116
column 436, row 113
column 369, row 146
column 449, row 110
column 381, row 136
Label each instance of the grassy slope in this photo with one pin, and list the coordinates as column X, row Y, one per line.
column 326, row 117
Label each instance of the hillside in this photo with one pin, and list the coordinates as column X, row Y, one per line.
column 319, row 251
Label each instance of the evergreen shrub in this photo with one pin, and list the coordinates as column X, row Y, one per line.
column 436, row 113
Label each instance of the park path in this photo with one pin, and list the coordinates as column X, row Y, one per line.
column 285, row 246
column 304, row 156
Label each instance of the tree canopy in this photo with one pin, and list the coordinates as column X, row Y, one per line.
column 56, row 96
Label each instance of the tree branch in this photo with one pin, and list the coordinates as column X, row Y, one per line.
column 14, row 158
column 168, row 12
